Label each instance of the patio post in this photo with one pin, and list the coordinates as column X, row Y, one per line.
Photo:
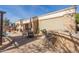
column 1, row 26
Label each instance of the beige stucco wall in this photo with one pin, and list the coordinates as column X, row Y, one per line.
column 63, row 23
column 63, row 20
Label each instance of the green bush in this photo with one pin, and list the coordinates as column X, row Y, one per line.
column 77, row 18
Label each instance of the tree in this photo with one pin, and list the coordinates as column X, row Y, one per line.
column 77, row 18
column 6, row 22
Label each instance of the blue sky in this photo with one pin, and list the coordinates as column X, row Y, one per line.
column 16, row 12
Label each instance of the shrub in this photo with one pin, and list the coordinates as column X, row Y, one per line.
column 77, row 18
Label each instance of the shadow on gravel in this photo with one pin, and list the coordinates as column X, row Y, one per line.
column 20, row 40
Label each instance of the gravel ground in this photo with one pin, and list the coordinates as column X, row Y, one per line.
column 32, row 45
column 26, row 45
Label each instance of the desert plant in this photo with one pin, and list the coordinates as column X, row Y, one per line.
column 77, row 18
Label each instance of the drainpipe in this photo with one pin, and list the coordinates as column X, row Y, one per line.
column 1, row 26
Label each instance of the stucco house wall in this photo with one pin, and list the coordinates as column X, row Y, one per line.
column 63, row 20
